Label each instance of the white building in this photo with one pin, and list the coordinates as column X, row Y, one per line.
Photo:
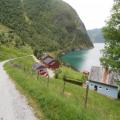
column 103, row 81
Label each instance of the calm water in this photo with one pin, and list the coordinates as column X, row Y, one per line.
column 84, row 59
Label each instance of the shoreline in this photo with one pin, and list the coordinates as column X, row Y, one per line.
column 82, row 60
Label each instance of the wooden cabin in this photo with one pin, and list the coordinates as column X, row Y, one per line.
column 50, row 62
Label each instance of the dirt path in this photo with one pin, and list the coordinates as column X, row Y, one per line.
column 13, row 105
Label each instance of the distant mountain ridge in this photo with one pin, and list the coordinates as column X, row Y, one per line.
column 46, row 25
column 96, row 35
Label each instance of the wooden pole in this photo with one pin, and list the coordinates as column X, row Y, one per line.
column 64, row 87
column 32, row 71
column 24, row 68
column 48, row 81
column 37, row 75
column 86, row 96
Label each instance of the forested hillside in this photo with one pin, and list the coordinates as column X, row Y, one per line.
column 46, row 25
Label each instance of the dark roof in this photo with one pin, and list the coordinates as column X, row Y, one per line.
column 53, row 62
column 96, row 75
column 37, row 66
column 48, row 60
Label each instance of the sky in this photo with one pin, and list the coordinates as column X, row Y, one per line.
column 93, row 13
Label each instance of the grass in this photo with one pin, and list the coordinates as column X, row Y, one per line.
column 58, row 106
column 70, row 73
column 9, row 52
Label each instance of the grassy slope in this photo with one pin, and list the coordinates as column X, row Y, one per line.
column 7, row 53
column 70, row 73
column 57, row 106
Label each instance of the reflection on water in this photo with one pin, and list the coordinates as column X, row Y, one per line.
column 84, row 59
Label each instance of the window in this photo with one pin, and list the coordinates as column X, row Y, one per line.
column 107, row 89
column 95, row 87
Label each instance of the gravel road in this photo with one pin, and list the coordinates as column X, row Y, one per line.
column 13, row 105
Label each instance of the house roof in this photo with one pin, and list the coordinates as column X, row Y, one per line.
column 99, row 75
column 37, row 66
column 52, row 63
column 48, row 60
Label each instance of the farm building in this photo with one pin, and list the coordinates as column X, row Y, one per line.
column 50, row 62
column 103, row 81
column 37, row 66
column 41, row 69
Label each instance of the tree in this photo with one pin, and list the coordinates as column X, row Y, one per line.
column 111, row 52
column 38, row 52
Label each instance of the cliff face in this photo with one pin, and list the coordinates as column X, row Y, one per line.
column 44, row 24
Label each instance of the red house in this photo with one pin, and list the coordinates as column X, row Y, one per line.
column 50, row 62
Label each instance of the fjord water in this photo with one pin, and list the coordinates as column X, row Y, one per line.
column 82, row 60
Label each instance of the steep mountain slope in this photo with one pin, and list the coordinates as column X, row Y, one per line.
column 96, row 35
column 46, row 25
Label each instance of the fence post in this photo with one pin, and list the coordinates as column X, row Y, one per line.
column 64, row 77
column 32, row 71
column 64, row 87
column 86, row 96
column 37, row 75
column 48, row 81
column 24, row 68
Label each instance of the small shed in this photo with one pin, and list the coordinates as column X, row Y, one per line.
column 103, row 81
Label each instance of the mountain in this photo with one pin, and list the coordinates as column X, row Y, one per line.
column 96, row 35
column 46, row 25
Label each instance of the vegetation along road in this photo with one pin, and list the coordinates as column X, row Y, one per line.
column 13, row 105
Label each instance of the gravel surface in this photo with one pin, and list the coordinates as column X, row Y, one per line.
column 13, row 105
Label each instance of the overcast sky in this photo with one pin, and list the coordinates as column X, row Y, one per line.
column 92, row 12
